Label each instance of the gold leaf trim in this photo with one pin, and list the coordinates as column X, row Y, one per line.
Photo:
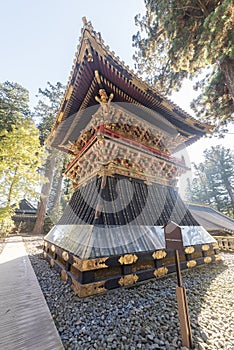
column 128, row 259
column 160, row 272
column 52, row 248
column 191, row 263
column 128, row 280
column 44, row 255
column 88, row 289
column 160, row 254
column 189, row 250
column 60, row 116
column 205, row 247
column 91, row 264
column 207, row 259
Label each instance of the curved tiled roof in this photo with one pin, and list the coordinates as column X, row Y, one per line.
column 95, row 67
column 211, row 219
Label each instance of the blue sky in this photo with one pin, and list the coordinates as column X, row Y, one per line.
column 39, row 38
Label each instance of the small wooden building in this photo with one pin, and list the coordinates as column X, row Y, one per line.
column 25, row 216
column 122, row 135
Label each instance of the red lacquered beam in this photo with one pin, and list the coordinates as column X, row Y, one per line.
column 135, row 143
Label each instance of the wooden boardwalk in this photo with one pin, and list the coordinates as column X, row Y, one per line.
column 25, row 320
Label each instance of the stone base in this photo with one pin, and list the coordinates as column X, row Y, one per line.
column 93, row 276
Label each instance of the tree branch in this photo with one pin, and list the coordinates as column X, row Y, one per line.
column 203, row 8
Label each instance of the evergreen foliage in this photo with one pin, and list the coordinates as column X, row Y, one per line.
column 180, row 38
column 214, row 180
column 14, row 105
column 20, row 152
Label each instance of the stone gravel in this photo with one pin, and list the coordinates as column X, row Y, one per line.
column 144, row 316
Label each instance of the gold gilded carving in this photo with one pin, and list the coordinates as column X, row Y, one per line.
column 52, row 248
column 52, row 262
column 128, row 259
column 64, row 276
column 88, row 289
column 189, row 250
column 104, row 100
column 160, row 254
column 91, row 264
column 205, row 247
column 160, row 272
column 207, row 259
column 218, row 257
column 128, row 280
column 65, row 256
column 191, row 263
column 44, row 255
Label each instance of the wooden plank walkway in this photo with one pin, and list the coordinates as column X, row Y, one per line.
column 25, row 319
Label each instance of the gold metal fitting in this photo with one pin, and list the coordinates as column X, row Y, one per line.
column 207, row 259
column 189, row 250
column 128, row 280
column 159, row 254
column 191, row 263
column 64, row 275
column 160, row 272
column 65, row 256
column 128, row 259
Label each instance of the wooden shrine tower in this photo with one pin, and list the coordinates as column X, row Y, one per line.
column 121, row 134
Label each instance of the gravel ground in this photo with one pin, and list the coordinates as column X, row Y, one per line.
column 144, row 316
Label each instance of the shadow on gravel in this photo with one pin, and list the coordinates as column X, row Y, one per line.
column 138, row 317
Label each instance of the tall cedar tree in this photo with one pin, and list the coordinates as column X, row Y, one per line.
column 214, row 180
column 180, row 38
column 20, row 150
column 46, row 111
column 14, row 105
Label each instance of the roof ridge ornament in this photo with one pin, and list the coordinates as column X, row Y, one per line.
column 84, row 19
column 87, row 25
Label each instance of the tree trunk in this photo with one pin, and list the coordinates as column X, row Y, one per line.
column 58, row 192
column 227, row 67
column 11, row 187
column 45, row 191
